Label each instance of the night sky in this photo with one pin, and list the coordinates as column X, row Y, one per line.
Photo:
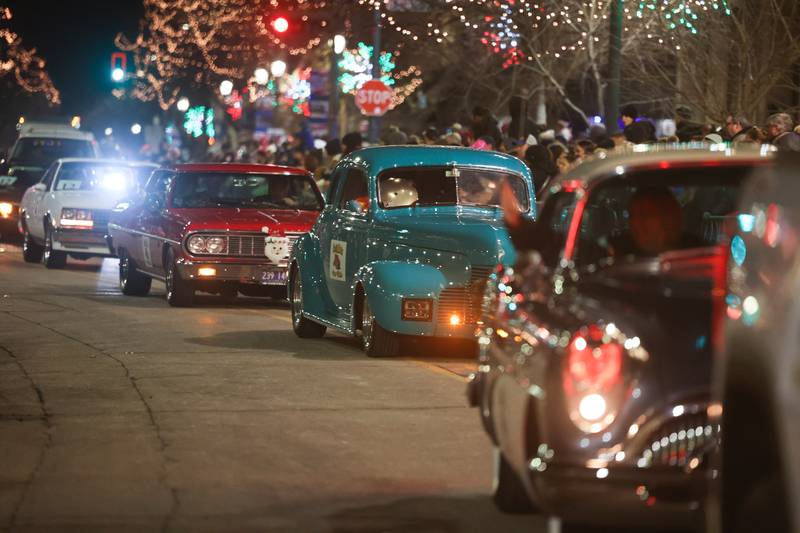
column 76, row 38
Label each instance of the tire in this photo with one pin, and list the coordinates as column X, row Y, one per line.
column 376, row 341
column 31, row 252
column 52, row 258
column 131, row 281
column 303, row 327
column 509, row 494
column 180, row 292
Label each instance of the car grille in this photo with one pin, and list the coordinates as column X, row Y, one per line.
column 679, row 440
column 464, row 301
column 253, row 245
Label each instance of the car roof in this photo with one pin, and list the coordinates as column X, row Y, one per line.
column 244, row 168
column 643, row 157
column 49, row 130
column 380, row 158
column 106, row 161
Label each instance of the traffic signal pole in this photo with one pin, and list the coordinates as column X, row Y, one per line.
column 614, row 66
column 375, row 122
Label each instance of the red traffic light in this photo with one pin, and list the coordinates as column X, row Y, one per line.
column 280, row 24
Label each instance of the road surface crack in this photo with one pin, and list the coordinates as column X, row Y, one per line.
column 163, row 475
column 44, row 417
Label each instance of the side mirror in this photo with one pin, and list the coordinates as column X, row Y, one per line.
column 39, row 187
column 355, row 206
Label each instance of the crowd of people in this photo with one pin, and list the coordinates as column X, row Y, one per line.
column 547, row 151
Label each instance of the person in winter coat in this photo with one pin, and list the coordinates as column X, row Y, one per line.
column 736, row 128
column 637, row 132
column 780, row 131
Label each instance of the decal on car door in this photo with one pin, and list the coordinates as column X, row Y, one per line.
column 338, row 259
column 276, row 248
column 148, row 259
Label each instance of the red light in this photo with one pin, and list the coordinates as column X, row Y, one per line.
column 592, row 368
column 280, row 24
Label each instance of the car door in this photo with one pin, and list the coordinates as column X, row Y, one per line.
column 35, row 202
column 349, row 230
column 151, row 223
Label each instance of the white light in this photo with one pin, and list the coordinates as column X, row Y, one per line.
column 678, row 410
column 750, row 305
column 109, row 131
column 226, row 87
column 620, row 170
column 136, row 129
column 117, row 74
column 262, row 76
column 602, row 473
column 339, row 44
column 580, row 344
column 114, row 181
column 592, row 407
column 278, row 68
column 183, row 104
column 320, row 144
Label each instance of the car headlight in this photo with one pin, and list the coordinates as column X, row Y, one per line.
column 6, row 209
column 215, row 245
column 196, row 244
column 76, row 218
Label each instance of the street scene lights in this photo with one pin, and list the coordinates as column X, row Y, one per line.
column 261, row 75
column 278, row 68
column 117, row 74
column 226, row 88
column 183, row 104
column 339, row 44
column 136, row 129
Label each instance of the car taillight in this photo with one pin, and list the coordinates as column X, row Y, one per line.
column 592, row 378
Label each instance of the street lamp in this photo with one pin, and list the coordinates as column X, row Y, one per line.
column 136, row 129
column 226, row 87
column 262, row 76
column 278, row 68
column 339, row 44
column 117, row 74
column 183, row 104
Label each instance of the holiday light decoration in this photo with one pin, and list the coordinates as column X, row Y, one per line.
column 27, row 69
column 296, row 91
column 199, row 120
column 356, row 67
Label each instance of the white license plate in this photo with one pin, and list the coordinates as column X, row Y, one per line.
column 273, row 277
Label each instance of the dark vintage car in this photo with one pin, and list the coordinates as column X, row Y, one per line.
column 219, row 228
column 757, row 371
column 595, row 349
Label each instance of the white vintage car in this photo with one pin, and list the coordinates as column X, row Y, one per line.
column 67, row 212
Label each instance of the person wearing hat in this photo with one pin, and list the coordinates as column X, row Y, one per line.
column 636, row 131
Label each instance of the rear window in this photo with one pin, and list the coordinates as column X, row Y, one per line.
column 264, row 191
column 649, row 213
column 94, row 177
column 41, row 152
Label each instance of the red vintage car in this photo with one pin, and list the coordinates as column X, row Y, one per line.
column 218, row 228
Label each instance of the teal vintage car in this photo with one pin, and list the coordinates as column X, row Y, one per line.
column 405, row 244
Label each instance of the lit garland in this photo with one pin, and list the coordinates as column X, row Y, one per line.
column 27, row 68
column 356, row 67
column 199, row 120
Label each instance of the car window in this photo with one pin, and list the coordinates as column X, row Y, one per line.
column 93, row 177
column 556, row 217
column 355, row 188
column 653, row 212
column 42, row 151
column 47, row 179
column 156, row 188
column 431, row 186
column 224, row 189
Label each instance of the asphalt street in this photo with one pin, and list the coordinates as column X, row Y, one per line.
column 120, row 413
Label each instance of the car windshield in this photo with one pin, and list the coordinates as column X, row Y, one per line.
column 94, row 177
column 41, row 151
column 409, row 187
column 646, row 214
column 222, row 189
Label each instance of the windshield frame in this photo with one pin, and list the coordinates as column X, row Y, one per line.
column 382, row 174
column 178, row 175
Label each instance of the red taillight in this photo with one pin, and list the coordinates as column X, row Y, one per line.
column 592, row 367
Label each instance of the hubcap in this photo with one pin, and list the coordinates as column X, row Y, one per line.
column 297, row 300
column 123, row 271
column 169, row 279
column 48, row 245
column 366, row 324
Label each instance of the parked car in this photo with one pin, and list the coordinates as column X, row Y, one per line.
column 757, row 376
column 37, row 147
column 67, row 212
column 405, row 245
column 595, row 349
column 218, row 228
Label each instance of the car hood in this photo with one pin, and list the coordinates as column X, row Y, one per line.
column 250, row 220
column 480, row 234
column 88, row 199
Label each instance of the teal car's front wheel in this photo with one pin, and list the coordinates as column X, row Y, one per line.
column 303, row 327
column 376, row 341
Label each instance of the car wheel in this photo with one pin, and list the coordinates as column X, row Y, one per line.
column 180, row 292
column 509, row 493
column 376, row 341
column 52, row 258
column 303, row 327
column 31, row 252
column 131, row 281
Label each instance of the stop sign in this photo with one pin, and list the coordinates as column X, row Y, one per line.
column 374, row 98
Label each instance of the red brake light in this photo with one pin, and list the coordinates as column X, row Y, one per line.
column 595, row 368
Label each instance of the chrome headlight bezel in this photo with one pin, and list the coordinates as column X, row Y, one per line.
column 196, row 244
column 216, row 245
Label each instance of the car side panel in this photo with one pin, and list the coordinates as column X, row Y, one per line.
column 317, row 300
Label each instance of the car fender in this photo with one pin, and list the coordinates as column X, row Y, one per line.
column 386, row 283
column 307, row 256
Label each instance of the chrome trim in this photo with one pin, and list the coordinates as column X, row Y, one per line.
column 227, row 234
column 143, row 234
